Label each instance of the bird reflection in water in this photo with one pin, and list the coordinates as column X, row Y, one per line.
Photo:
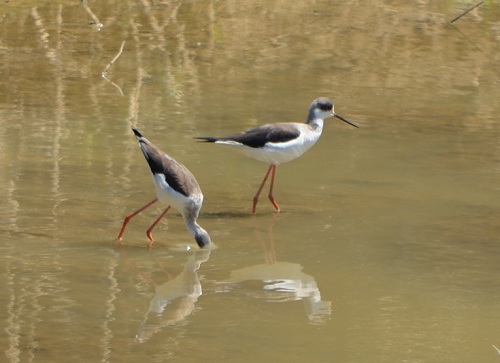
column 175, row 300
column 282, row 282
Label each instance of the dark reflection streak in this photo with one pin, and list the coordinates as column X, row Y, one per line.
column 228, row 214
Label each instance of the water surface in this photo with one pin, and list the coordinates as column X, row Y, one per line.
column 386, row 249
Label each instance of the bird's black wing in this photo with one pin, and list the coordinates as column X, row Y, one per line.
column 261, row 135
column 176, row 174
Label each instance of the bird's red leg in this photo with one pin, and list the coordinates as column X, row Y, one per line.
column 148, row 232
column 256, row 198
column 270, row 196
column 130, row 216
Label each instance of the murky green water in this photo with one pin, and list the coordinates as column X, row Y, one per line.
column 387, row 246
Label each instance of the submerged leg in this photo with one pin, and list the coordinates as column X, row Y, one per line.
column 256, row 198
column 148, row 232
column 130, row 216
column 270, row 196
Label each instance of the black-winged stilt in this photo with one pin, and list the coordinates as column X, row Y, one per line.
column 280, row 142
column 176, row 186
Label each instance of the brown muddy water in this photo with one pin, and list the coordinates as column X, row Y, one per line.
column 387, row 248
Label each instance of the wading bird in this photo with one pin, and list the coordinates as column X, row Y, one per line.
column 280, row 142
column 176, row 186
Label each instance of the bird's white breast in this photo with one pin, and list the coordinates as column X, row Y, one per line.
column 167, row 194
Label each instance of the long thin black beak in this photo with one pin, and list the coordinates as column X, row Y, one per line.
column 345, row 120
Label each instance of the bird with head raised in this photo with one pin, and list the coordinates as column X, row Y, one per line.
column 176, row 186
column 279, row 143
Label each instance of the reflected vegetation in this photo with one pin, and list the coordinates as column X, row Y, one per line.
column 397, row 223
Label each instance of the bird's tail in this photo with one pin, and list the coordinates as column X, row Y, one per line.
column 152, row 154
column 207, row 138
column 136, row 132
column 143, row 142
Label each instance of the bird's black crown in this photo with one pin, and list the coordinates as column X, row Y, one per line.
column 324, row 105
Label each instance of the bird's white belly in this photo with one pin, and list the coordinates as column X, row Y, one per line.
column 168, row 195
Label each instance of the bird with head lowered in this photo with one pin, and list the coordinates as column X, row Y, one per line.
column 176, row 186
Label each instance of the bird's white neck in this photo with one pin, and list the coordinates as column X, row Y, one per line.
column 199, row 234
column 316, row 124
column 192, row 226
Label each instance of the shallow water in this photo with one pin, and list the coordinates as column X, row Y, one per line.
column 386, row 248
